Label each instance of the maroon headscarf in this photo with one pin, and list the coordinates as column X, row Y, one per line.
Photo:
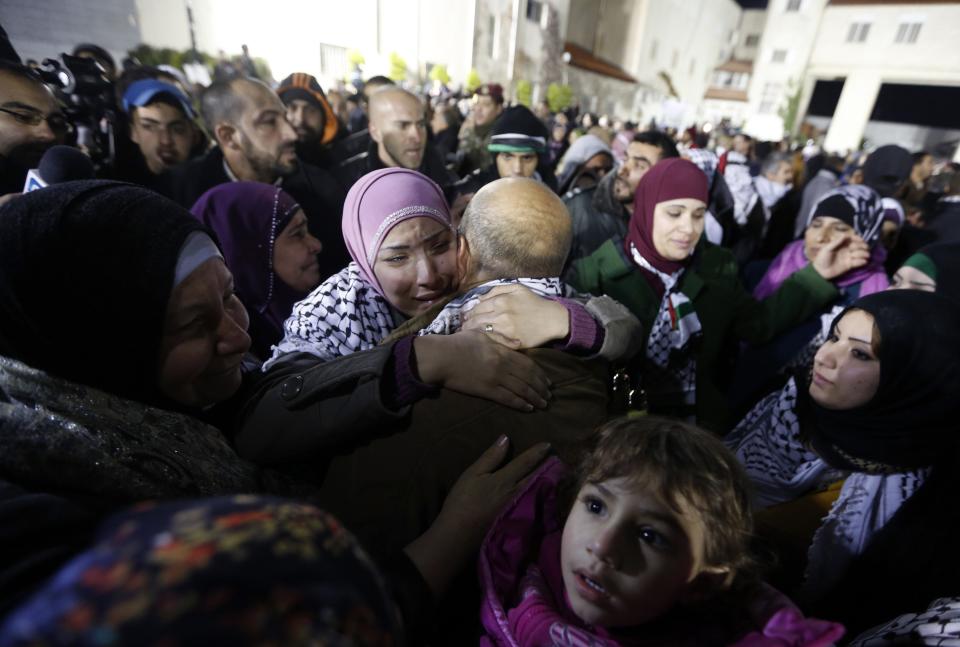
column 670, row 179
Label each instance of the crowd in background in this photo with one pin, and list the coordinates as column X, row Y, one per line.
column 224, row 305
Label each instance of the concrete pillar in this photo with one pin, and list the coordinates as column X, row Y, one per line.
column 853, row 112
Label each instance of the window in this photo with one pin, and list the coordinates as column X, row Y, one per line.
column 793, row 5
column 779, row 56
column 752, row 40
column 333, row 60
column 858, row 32
column 770, row 99
column 907, row 32
column 534, row 10
column 653, row 50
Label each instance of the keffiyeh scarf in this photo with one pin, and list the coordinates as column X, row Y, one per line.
column 342, row 316
column 782, row 468
column 450, row 319
column 767, row 442
column 671, row 372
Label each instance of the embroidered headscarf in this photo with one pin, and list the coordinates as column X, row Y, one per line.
column 377, row 203
column 247, row 218
column 240, row 570
column 911, row 421
column 858, row 206
column 86, row 271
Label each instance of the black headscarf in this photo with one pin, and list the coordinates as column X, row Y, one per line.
column 913, row 418
column 941, row 262
column 86, row 270
column 886, row 169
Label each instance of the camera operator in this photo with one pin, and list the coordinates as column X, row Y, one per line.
column 31, row 121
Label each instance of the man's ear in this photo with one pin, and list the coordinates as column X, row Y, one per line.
column 463, row 256
column 708, row 582
column 225, row 134
column 374, row 132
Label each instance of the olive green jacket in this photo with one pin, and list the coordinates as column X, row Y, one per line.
column 727, row 312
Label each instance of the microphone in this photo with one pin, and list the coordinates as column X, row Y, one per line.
column 59, row 164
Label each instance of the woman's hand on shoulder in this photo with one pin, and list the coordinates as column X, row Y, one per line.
column 840, row 256
column 519, row 317
column 473, row 363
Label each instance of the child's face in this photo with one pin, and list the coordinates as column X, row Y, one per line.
column 627, row 556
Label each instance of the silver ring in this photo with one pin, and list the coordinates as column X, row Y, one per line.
column 488, row 327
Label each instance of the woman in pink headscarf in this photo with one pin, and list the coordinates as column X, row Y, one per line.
column 398, row 230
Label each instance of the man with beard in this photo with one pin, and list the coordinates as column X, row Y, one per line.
column 398, row 139
column 311, row 116
column 603, row 211
column 255, row 142
column 30, row 123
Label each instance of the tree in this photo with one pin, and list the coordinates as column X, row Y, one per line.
column 439, row 73
column 524, row 92
column 398, row 67
column 789, row 110
column 355, row 58
column 559, row 96
column 473, row 81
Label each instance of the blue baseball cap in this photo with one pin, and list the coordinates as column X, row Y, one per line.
column 142, row 92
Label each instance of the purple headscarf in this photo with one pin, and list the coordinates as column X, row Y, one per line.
column 866, row 221
column 247, row 217
column 381, row 200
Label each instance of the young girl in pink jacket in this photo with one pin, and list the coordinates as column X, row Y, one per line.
column 650, row 549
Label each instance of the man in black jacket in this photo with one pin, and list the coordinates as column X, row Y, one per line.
column 398, row 138
column 256, row 143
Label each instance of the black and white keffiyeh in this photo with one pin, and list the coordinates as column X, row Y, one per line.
column 782, row 468
column 449, row 320
column 938, row 625
column 865, row 504
column 767, row 442
column 670, row 374
column 345, row 314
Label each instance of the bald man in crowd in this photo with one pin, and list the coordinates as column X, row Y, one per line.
column 388, row 488
column 255, row 142
column 398, row 139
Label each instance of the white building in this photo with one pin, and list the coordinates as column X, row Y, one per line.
column 782, row 56
column 872, row 44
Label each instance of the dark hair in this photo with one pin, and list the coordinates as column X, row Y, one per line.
column 19, row 71
column 98, row 53
column 659, row 139
column 919, row 156
column 221, row 102
column 681, row 462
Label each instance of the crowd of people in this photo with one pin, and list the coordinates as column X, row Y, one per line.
column 303, row 367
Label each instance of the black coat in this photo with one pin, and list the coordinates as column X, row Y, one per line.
column 432, row 166
column 316, row 190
